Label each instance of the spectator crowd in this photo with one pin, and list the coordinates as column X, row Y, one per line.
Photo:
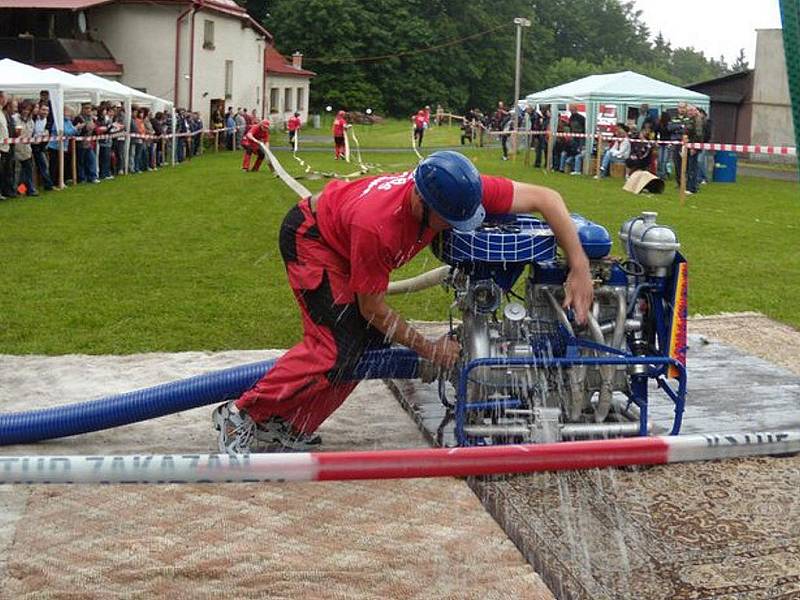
column 646, row 141
column 29, row 143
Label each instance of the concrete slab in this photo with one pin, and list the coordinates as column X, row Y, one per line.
column 722, row 530
column 390, row 539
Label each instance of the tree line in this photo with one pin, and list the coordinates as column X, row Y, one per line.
column 395, row 55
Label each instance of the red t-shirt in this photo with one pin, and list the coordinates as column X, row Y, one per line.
column 293, row 124
column 369, row 223
column 338, row 127
column 257, row 132
column 419, row 121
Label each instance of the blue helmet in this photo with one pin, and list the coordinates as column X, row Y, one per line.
column 450, row 185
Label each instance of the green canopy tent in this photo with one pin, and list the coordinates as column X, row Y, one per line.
column 622, row 89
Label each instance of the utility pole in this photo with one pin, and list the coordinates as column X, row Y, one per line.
column 520, row 22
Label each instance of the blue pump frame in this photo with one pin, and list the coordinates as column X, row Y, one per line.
column 638, row 395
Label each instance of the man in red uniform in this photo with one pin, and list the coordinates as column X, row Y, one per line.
column 339, row 125
column 419, row 126
column 293, row 126
column 339, row 248
column 257, row 133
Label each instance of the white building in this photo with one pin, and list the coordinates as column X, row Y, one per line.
column 200, row 54
column 287, row 84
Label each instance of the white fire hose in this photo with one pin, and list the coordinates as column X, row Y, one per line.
column 427, row 280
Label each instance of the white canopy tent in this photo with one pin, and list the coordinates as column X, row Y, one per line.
column 21, row 79
column 622, row 89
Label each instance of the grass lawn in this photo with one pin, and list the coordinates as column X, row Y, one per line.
column 186, row 258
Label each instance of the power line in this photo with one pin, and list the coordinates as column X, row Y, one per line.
column 406, row 53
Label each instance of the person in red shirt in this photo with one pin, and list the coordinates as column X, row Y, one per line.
column 257, row 133
column 420, row 123
column 339, row 248
column 339, row 125
column 293, row 126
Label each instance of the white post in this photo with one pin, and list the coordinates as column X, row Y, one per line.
column 520, row 22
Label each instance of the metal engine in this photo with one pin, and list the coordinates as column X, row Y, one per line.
column 529, row 372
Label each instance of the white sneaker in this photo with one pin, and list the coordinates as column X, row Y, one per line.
column 240, row 434
column 575, row 173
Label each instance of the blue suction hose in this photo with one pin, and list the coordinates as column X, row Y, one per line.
column 177, row 396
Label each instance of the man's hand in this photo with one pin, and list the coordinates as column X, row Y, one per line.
column 579, row 293
column 445, row 352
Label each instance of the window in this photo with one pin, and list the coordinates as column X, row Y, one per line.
column 274, row 99
column 208, row 34
column 301, row 99
column 287, row 99
column 228, row 79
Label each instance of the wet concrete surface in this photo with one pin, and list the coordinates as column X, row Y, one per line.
column 723, row 530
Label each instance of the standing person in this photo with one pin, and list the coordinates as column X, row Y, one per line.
column 695, row 133
column 230, row 126
column 427, row 116
column 41, row 130
column 241, row 128
column 541, row 140
column 87, row 160
column 664, row 150
column 6, row 156
column 293, row 126
column 23, row 154
column 500, row 122
column 419, row 127
column 577, row 124
column 67, row 130
column 257, row 133
column 338, row 130
column 340, row 247
column 104, row 144
column 679, row 126
column 702, row 158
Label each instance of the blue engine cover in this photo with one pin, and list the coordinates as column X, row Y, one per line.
column 501, row 247
column 594, row 238
column 501, row 239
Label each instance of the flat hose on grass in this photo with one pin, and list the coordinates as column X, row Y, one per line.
column 201, row 390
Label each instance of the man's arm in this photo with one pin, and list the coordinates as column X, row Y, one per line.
column 579, row 293
column 444, row 352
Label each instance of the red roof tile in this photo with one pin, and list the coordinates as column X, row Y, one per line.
column 80, row 65
column 51, row 4
column 275, row 62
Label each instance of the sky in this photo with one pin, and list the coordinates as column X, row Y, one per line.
column 717, row 27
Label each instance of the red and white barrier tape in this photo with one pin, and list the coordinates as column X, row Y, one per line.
column 751, row 149
column 121, row 134
column 393, row 464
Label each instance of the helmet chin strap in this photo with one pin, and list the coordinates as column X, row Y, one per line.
column 424, row 222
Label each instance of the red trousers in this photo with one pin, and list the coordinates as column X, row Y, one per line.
column 305, row 385
column 338, row 146
column 248, row 152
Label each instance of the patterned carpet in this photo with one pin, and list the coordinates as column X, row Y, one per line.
column 720, row 530
column 393, row 539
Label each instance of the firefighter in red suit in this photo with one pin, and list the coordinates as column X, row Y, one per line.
column 339, row 248
column 293, row 126
column 257, row 133
column 338, row 130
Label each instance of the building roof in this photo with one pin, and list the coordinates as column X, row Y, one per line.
column 728, row 77
column 228, row 7
column 87, row 65
column 52, row 4
column 275, row 62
